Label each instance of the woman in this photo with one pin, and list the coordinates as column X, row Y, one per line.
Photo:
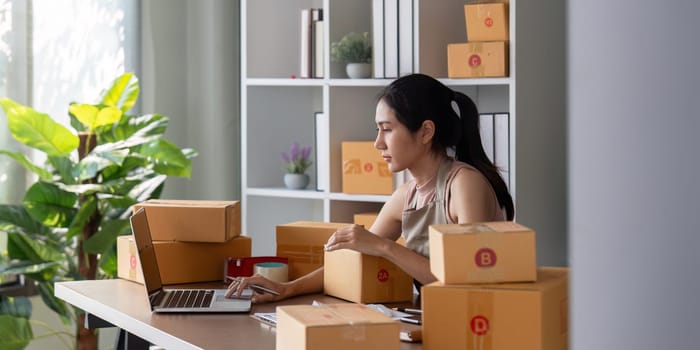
column 417, row 126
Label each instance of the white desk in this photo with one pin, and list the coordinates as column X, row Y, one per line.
column 125, row 305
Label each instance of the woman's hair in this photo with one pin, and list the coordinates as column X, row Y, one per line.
column 416, row 98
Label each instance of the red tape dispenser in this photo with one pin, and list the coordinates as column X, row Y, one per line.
column 243, row 267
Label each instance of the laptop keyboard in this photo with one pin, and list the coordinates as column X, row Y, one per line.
column 184, row 298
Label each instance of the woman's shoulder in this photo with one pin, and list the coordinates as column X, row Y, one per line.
column 466, row 176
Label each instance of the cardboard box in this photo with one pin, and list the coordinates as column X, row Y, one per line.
column 364, row 169
column 367, row 220
column 488, row 252
column 182, row 262
column 524, row 316
column 486, row 22
column 302, row 243
column 334, row 326
column 192, row 221
column 477, row 60
column 365, row 279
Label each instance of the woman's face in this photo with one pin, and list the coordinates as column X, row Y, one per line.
column 400, row 148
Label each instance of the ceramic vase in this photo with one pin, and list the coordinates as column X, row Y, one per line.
column 296, row 181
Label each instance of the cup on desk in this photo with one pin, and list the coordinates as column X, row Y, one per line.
column 274, row 271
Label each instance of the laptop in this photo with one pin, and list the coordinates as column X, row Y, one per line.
column 177, row 300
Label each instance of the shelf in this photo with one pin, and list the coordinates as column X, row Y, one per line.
column 476, row 81
column 359, row 197
column 285, row 193
column 368, row 82
column 284, row 82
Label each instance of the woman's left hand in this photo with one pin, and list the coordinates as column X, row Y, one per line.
column 355, row 237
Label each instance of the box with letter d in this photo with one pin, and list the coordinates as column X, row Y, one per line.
column 489, row 252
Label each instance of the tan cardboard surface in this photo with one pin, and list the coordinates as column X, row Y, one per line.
column 477, row 60
column 364, row 169
column 486, row 22
column 302, row 243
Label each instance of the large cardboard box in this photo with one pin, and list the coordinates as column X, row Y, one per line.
column 486, row 22
column 365, row 279
column 488, row 252
column 524, row 316
column 334, row 326
column 302, row 242
column 364, row 169
column 182, row 262
column 477, row 59
column 192, row 220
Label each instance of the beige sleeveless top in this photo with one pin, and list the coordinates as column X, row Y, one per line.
column 428, row 205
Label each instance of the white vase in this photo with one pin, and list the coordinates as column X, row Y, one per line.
column 296, row 181
column 358, row 70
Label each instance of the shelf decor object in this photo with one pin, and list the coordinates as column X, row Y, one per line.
column 354, row 49
column 296, row 162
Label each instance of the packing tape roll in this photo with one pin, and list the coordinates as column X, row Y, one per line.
column 274, row 271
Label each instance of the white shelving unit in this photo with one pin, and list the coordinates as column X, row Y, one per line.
column 277, row 109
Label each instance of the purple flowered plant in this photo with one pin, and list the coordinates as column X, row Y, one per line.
column 297, row 160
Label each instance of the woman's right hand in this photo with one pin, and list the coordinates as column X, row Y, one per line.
column 240, row 283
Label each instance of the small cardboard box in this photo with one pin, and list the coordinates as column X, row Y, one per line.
column 367, row 220
column 128, row 266
column 364, row 169
column 486, row 22
column 181, row 262
column 334, row 326
column 365, row 279
column 489, row 252
column 477, row 60
column 192, row 220
column 302, row 243
column 526, row 316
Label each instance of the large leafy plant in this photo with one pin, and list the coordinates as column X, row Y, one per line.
column 67, row 225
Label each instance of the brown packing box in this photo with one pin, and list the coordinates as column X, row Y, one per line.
column 365, row 279
column 486, row 22
column 192, row 220
column 523, row 316
column 477, row 60
column 367, row 220
column 364, row 169
column 302, row 243
column 488, row 252
column 334, row 326
column 183, row 262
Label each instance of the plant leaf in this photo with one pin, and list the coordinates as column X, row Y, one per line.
column 50, row 205
column 22, row 247
column 94, row 162
column 153, row 125
column 123, row 93
column 38, row 130
column 21, row 158
column 14, row 218
column 84, row 113
column 167, row 158
column 87, row 208
column 26, row 267
column 64, row 168
column 47, row 295
column 15, row 306
column 15, row 332
column 106, row 236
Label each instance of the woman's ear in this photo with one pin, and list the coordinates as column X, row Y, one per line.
column 427, row 131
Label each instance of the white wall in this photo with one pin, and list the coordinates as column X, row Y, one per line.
column 634, row 165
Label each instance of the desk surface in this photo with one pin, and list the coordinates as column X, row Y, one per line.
column 124, row 304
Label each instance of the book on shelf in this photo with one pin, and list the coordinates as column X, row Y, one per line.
column 486, row 133
column 405, row 32
column 321, row 141
column 318, row 64
column 501, row 145
column 311, row 43
column 378, row 38
column 391, row 38
column 305, row 44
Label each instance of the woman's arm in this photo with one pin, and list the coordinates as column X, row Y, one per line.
column 309, row 283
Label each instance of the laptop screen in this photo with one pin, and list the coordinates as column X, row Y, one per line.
column 147, row 254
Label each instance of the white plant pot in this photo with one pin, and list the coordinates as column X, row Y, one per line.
column 296, row 181
column 358, row 70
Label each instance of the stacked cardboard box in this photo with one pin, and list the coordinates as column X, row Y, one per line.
column 192, row 240
column 489, row 292
column 485, row 54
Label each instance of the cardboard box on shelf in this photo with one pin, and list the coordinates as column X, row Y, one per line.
column 527, row 316
column 364, row 169
column 335, row 326
column 192, row 220
column 365, row 279
column 181, row 262
column 477, row 59
column 488, row 252
column 302, row 242
column 486, row 22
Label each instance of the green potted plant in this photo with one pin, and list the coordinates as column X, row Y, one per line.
column 354, row 49
column 67, row 225
column 296, row 162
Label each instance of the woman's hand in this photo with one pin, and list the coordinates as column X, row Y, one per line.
column 240, row 283
column 355, row 237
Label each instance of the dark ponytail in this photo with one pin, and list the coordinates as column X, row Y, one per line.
column 418, row 97
column 470, row 150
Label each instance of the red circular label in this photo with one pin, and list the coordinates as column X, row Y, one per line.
column 485, row 257
column 488, row 21
column 479, row 325
column 474, row 60
column 383, row 275
column 368, row 167
column 132, row 261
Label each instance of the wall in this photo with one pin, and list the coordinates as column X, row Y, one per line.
column 634, row 165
